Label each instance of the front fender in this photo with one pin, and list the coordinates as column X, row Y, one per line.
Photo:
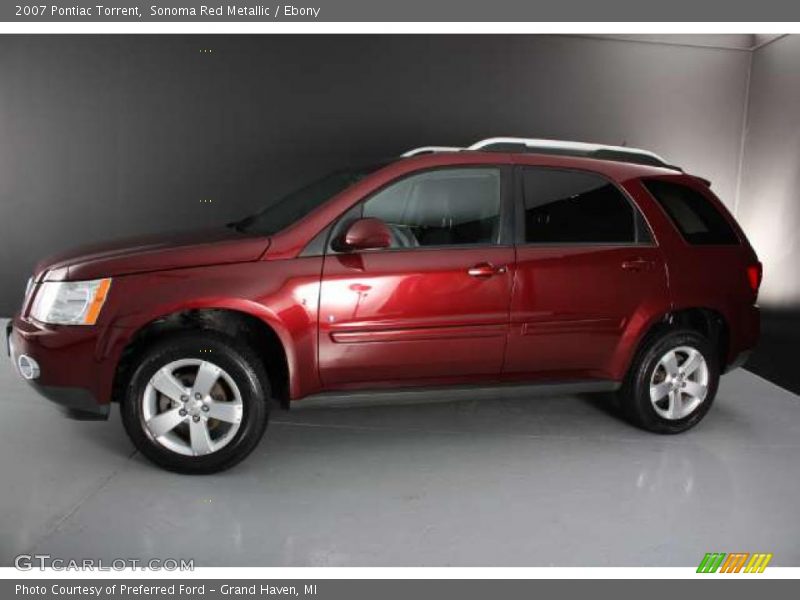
column 282, row 294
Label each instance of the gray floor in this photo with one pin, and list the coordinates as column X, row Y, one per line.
column 497, row 479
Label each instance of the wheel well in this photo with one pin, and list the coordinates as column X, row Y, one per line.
column 240, row 326
column 708, row 322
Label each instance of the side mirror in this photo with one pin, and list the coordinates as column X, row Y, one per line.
column 366, row 234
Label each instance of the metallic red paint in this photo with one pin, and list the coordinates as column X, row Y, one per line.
column 413, row 315
column 572, row 307
column 153, row 253
column 407, row 317
column 367, row 234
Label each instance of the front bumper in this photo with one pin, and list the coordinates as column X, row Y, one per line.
column 63, row 361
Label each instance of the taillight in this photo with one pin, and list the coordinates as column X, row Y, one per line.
column 754, row 276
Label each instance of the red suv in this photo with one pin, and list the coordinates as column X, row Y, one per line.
column 574, row 266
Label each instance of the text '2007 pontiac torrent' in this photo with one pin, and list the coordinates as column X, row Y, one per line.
column 595, row 268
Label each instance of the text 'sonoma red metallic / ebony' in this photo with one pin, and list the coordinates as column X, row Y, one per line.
column 564, row 265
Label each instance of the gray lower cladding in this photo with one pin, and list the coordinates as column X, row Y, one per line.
column 445, row 393
column 79, row 404
column 76, row 403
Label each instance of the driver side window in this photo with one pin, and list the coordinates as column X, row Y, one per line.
column 442, row 207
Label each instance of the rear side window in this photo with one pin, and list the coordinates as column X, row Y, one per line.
column 694, row 215
column 575, row 207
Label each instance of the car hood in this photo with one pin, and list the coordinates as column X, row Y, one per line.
column 152, row 253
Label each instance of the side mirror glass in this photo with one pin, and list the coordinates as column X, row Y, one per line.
column 366, row 234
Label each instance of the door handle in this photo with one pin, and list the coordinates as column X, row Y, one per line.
column 637, row 264
column 485, row 270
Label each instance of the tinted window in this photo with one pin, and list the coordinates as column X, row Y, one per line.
column 443, row 207
column 574, row 207
column 692, row 213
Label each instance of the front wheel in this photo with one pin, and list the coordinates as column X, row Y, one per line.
column 197, row 402
column 672, row 382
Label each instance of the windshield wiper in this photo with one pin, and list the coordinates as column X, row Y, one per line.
column 240, row 225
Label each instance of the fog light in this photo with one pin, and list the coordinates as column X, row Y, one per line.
column 28, row 367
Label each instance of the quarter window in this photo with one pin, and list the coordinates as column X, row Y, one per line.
column 577, row 207
column 699, row 222
column 443, row 207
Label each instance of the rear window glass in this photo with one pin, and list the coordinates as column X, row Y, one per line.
column 693, row 214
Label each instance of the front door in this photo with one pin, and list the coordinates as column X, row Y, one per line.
column 586, row 265
column 432, row 308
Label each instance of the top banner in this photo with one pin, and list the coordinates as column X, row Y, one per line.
column 405, row 11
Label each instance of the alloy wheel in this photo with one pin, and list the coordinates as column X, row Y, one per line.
column 679, row 383
column 192, row 407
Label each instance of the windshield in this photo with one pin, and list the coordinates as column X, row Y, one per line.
column 294, row 206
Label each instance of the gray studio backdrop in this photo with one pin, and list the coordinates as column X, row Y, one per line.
column 105, row 136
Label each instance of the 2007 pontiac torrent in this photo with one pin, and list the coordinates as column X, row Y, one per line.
column 578, row 266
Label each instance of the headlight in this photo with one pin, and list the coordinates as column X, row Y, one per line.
column 70, row 302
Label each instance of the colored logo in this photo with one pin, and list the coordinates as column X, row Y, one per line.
column 736, row 562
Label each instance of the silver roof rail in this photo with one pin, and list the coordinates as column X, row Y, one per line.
column 579, row 148
column 429, row 150
column 513, row 144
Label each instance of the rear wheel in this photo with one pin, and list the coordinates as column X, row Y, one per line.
column 672, row 383
column 197, row 403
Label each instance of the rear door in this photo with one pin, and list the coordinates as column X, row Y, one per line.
column 435, row 306
column 586, row 266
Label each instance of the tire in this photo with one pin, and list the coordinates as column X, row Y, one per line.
column 652, row 369
column 203, row 423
